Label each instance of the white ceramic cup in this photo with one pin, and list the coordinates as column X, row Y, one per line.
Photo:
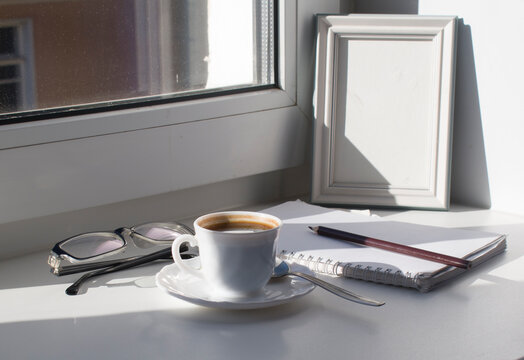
column 236, row 250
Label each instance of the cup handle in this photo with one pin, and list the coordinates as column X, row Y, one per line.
column 175, row 250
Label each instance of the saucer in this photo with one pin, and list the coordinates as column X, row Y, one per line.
column 196, row 290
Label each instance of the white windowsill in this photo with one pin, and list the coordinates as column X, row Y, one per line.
column 127, row 308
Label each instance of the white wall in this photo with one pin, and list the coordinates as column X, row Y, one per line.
column 488, row 141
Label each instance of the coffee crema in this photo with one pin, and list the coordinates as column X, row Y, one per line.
column 239, row 226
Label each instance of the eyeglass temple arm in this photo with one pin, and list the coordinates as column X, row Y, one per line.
column 76, row 268
column 75, row 287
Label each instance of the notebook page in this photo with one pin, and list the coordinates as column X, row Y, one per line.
column 296, row 236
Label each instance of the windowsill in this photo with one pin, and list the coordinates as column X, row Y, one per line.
column 129, row 309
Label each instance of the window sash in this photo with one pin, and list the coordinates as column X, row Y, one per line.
column 155, row 68
column 110, row 122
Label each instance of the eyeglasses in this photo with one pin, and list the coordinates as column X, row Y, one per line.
column 83, row 252
column 107, row 252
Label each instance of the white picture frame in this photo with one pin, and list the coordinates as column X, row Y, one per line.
column 384, row 110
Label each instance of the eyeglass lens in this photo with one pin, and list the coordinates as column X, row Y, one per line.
column 159, row 232
column 89, row 245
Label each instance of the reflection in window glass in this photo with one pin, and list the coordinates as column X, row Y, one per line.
column 89, row 53
column 7, row 40
column 16, row 80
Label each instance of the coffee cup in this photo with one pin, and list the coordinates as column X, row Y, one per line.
column 236, row 251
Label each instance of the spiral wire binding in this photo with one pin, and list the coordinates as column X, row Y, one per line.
column 354, row 271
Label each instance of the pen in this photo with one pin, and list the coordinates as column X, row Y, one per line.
column 390, row 246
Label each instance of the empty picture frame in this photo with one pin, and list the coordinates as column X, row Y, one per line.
column 383, row 110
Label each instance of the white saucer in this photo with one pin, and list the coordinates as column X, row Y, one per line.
column 195, row 290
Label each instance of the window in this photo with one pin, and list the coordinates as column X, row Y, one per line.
column 102, row 54
column 16, row 80
column 61, row 164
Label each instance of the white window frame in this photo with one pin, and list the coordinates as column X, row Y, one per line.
column 65, row 164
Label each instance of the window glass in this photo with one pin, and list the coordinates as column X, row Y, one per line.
column 58, row 56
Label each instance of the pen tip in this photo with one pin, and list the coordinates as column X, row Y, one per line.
column 313, row 228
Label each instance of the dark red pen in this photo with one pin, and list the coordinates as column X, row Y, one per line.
column 393, row 247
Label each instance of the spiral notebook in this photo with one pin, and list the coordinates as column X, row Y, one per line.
column 298, row 244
